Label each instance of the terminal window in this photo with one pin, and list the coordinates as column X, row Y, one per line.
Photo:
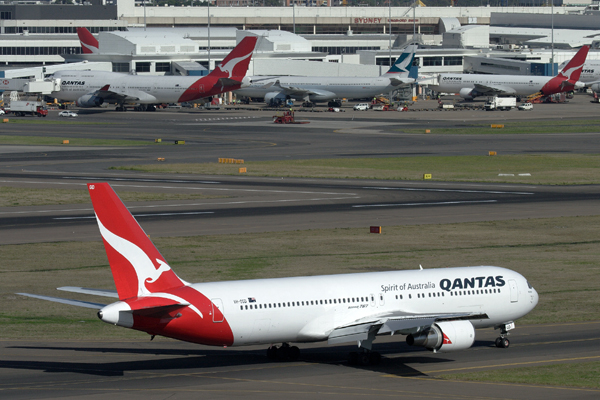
column 6, row 15
column 142, row 67
column 120, row 67
column 163, row 67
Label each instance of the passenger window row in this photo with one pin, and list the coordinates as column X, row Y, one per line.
column 306, row 303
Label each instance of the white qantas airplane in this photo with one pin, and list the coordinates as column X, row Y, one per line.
column 438, row 309
column 470, row 86
column 94, row 88
column 316, row 89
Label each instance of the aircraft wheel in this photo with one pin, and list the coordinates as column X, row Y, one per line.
column 498, row 342
column 353, row 358
column 374, row 358
column 294, row 353
column 272, row 353
column 505, row 343
column 364, row 358
column 283, row 353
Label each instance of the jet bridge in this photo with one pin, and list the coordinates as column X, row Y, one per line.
column 30, row 85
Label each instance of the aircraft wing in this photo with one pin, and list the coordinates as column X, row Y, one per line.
column 293, row 91
column 493, row 90
column 115, row 94
column 391, row 323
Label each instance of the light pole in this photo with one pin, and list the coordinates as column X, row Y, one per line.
column 208, row 8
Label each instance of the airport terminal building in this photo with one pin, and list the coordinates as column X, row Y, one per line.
column 345, row 41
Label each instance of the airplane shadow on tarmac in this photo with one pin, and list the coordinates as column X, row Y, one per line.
column 400, row 355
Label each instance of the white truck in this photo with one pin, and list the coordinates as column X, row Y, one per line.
column 20, row 108
column 500, row 103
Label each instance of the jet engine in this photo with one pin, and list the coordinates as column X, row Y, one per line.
column 246, row 81
column 89, row 100
column 444, row 336
column 468, row 93
column 595, row 87
column 275, row 98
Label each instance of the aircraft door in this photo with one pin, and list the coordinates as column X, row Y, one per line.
column 381, row 299
column 217, row 310
column 372, row 300
column 514, row 291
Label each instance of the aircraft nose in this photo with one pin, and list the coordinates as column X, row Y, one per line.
column 534, row 298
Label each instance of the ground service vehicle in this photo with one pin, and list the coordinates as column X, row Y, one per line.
column 20, row 108
column 67, row 114
column 361, row 107
column 526, row 107
column 500, row 103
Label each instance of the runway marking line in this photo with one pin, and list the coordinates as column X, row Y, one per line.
column 513, row 364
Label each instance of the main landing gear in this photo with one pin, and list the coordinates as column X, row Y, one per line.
column 283, row 353
column 364, row 357
column 502, row 341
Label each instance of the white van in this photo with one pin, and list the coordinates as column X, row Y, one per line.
column 526, row 107
column 361, row 107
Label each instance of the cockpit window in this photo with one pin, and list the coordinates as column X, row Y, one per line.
column 529, row 284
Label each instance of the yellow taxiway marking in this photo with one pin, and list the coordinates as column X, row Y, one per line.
column 512, row 364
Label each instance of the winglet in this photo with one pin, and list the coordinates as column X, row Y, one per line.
column 137, row 266
column 89, row 44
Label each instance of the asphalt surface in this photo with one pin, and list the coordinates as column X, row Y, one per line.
column 169, row 369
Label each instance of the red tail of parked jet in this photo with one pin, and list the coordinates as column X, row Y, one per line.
column 567, row 79
column 89, row 44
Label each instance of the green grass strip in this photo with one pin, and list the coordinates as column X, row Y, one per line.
column 49, row 140
column 517, row 127
column 550, row 169
column 585, row 375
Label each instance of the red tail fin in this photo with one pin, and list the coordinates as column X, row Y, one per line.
column 566, row 79
column 235, row 65
column 572, row 71
column 89, row 44
column 137, row 266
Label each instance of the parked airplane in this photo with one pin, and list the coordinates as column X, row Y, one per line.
column 95, row 88
column 326, row 88
column 590, row 75
column 438, row 309
column 89, row 44
column 470, row 86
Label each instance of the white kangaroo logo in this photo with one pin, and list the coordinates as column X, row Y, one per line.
column 230, row 65
column 144, row 268
column 568, row 72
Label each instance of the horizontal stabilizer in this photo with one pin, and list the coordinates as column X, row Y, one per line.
column 78, row 303
column 159, row 311
column 94, row 292
column 226, row 82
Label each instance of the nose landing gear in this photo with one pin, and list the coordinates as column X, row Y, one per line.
column 502, row 342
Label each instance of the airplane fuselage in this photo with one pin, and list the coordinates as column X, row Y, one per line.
column 142, row 89
column 308, row 309
column 323, row 88
column 517, row 85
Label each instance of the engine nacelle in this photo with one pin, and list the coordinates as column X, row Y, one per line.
column 246, row 81
column 468, row 93
column 595, row 87
column 444, row 336
column 89, row 100
column 275, row 98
